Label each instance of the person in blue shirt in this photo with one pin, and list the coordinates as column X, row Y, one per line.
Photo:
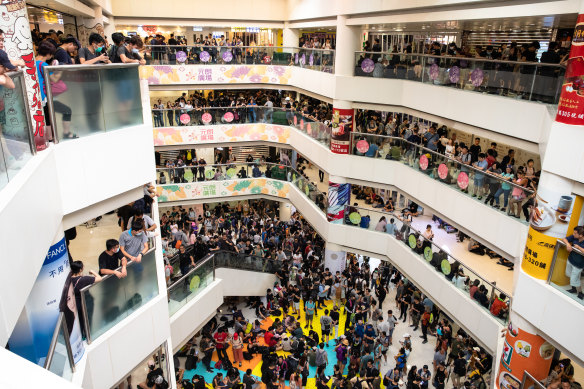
column 431, row 138
column 479, row 178
column 373, row 150
column 390, row 227
column 575, row 246
column 309, row 312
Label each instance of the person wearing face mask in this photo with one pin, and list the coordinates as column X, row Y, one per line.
column 134, row 242
column 111, row 258
column 94, row 53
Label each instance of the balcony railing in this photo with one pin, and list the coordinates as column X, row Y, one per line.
column 87, row 99
column 471, row 181
column 233, row 171
column 316, row 59
column 110, row 301
column 60, row 356
column 514, row 79
column 242, row 115
column 189, row 285
column 454, row 270
column 558, row 278
column 16, row 135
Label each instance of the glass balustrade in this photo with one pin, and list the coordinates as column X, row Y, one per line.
column 16, row 134
column 460, row 275
column 235, row 171
column 498, row 190
column 89, row 99
column 59, row 359
column 315, row 59
column 242, row 115
column 558, row 277
column 513, row 79
column 108, row 302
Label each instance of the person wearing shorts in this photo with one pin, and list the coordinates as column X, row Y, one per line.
column 575, row 246
column 309, row 312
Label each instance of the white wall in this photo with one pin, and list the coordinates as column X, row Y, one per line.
column 117, row 352
column 30, row 215
column 564, row 153
column 103, row 165
column 244, row 283
column 196, row 312
column 556, row 315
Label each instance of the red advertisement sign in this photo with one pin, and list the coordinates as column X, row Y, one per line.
column 342, row 125
column 571, row 105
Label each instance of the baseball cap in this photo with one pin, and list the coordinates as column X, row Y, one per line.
column 5, row 61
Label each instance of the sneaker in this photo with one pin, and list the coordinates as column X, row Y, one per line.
column 480, row 198
column 572, row 290
column 424, row 342
column 415, row 328
column 581, row 295
column 503, row 209
column 474, row 195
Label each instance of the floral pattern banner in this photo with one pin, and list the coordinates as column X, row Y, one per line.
column 209, row 189
column 216, row 74
column 225, row 133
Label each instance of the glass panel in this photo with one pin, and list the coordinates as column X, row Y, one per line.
column 3, row 172
column 189, row 286
column 519, row 80
column 122, row 101
column 314, row 59
column 460, row 275
column 61, row 364
column 113, row 299
column 562, row 271
column 490, row 187
column 77, row 101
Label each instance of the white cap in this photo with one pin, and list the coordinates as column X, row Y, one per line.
column 287, row 97
column 476, row 349
column 406, row 335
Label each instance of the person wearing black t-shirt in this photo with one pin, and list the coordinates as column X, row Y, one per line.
column 185, row 261
column 111, row 259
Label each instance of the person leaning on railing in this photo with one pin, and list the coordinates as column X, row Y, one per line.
column 575, row 246
column 134, row 242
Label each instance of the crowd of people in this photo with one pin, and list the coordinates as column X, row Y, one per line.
column 491, row 175
column 515, row 77
column 245, row 106
column 317, row 310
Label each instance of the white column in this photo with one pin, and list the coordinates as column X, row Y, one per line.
column 285, row 211
column 347, row 44
column 290, row 36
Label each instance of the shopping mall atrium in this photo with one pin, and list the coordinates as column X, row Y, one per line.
column 292, row 194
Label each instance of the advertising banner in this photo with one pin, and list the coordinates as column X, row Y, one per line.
column 522, row 352
column 34, row 330
column 571, row 105
column 342, row 125
column 18, row 45
column 335, row 261
column 339, row 195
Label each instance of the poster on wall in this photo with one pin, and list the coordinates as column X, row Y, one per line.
column 523, row 351
column 18, row 45
column 571, row 105
column 342, row 125
column 550, row 218
column 33, row 332
column 70, row 310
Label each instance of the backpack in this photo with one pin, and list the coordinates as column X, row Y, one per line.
column 247, row 356
column 320, row 357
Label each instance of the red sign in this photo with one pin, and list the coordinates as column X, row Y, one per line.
column 342, row 125
column 571, row 105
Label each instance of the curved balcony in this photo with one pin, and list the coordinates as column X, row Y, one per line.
column 449, row 291
column 530, row 81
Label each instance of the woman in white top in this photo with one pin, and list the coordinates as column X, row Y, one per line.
column 428, row 234
column 450, row 149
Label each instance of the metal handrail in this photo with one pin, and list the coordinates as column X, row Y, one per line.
column 518, row 62
column 88, row 287
column 61, row 325
column 529, row 191
column 392, row 214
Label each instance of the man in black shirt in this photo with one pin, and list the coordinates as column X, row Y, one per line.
column 185, row 260
column 475, row 150
column 109, row 260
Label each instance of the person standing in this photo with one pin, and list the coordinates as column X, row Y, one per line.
column 221, row 337
column 206, row 346
column 575, row 246
column 110, row 259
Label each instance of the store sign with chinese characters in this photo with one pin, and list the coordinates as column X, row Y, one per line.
column 571, row 105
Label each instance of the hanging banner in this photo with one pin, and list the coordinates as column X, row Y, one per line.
column 522, row 352
column 339, row 195
column 19, row 46
column 571, row 105
column 70, row 310
column 335, row 261
column 342, row 125
column 34, row 330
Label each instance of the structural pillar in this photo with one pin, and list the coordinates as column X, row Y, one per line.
column 335, row 258
column 339, row 196
column 347, row 44
column 290, row 36
column 342, row 125
column 523, row 351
